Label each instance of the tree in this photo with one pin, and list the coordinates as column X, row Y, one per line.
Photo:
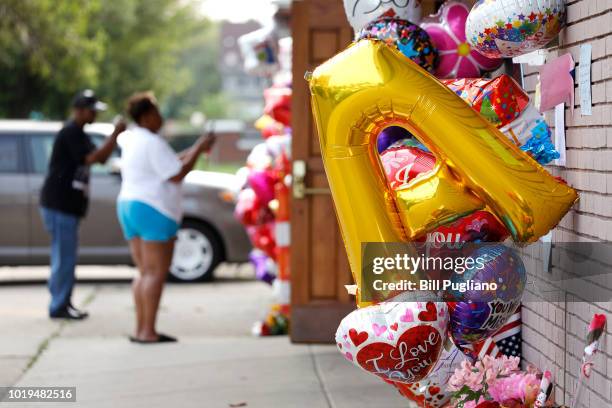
column 50, row 49
column 47, row 51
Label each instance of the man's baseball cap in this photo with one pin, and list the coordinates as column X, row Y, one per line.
column 87, row 99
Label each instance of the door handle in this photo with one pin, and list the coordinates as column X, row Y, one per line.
column 299, row 186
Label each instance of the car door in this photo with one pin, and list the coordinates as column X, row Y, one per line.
column 39, row 147
column 14, row 215
column 100, row 239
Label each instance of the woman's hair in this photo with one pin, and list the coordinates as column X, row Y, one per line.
column 140, row 104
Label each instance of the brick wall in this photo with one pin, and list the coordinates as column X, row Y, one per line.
column 554, row 332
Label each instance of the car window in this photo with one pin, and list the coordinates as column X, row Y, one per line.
column 41, row 147
column 9, row 154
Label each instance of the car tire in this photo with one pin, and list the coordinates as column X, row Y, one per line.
column 197, row 252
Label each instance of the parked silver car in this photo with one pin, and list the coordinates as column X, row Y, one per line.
column 209, row 233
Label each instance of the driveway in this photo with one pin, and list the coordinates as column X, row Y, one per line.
column 217, row 363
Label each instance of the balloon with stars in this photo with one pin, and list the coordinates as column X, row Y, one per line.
column 409, row 39
column 508, row 28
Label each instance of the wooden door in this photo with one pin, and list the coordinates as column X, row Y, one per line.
column 319, row 266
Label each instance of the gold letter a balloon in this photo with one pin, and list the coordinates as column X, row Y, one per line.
column 370, row 86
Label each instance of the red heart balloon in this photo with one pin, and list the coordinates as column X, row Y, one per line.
column 414, row 355
column 402, row 164
column 479, row 226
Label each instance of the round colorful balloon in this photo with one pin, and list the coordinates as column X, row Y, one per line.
column 457, row 58
column 508, row 28
column 409, row 39
column 477, row 311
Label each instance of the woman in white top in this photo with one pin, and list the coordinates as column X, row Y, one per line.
column 149, row 206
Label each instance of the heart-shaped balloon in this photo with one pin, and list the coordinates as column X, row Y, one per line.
column 262, row 182
column 476, row 314
column 479, row 226
column 402, row 164
column 398, row 341
column 262, row 237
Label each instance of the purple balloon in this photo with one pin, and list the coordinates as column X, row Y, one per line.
column 264, row 266
column 476, row 314
column 389, row 136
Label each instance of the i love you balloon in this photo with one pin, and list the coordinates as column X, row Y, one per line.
column 398, row 341
column 403, row 164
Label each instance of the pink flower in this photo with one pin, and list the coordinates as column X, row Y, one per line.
column 518, row 386
column 447, row 32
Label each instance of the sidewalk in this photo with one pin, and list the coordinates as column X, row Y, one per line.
column 216, row 363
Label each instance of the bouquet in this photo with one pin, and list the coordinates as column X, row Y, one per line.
column 494, row 382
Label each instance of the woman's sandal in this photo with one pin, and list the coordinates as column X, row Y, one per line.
column 161, row 338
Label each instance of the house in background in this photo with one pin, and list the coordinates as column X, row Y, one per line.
column 244, row 91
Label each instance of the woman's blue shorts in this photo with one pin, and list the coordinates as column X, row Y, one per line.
column 140, row 220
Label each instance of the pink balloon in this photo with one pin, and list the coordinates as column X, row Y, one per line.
column 262, row 183
column 447, row 32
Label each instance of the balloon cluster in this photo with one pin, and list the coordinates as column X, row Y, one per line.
column 262, row 204
column 433, row 170
column 507, row 106
column 456, row 42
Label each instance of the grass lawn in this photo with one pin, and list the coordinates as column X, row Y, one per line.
column 204, row 165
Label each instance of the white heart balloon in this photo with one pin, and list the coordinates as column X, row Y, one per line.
column 361, row 12
column 397, row 341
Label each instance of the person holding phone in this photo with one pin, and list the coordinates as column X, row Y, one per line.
column 149, row 206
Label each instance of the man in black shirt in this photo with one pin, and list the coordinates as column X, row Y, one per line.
column 64, row 197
